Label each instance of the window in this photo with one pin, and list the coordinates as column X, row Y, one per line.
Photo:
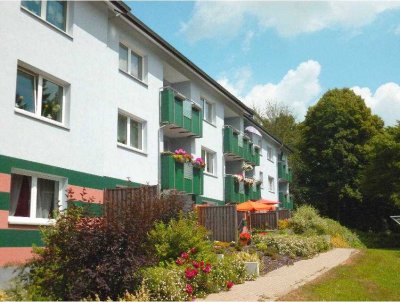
column 209, row 158
column 34, row 197
column 130, row 132
column 40, row 96
column 261, row 178
column 54, row 12
column 130, row 62
column 271, row 184
column 269, row 154
column 208, row 111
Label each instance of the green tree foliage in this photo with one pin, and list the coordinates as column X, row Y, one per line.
column 333, row 153
column 381, row 181
column 280, row 121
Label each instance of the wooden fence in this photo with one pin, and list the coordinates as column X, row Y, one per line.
column 221, row 221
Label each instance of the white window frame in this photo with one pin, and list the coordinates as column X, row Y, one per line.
column 129, row 71
column 204, row 101
column 43, row 13
column 214, row 160
column 271, row 184
column 33, row 220
column 38, row 90
column 270, row 155
column 130, row 117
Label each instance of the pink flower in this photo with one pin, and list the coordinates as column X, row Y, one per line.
column 191, row 273
column 179, row 261
column 196, row 264
column 229, row 284
column 189, row 289
column 193, row 250
column 201, row 263
column 207, row 269
column 185, row 255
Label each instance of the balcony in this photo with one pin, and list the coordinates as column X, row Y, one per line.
column 284, row 173
column 182, row 177
column 285, row 201
column 182, row 117
column 237, row 192
column 238, row 146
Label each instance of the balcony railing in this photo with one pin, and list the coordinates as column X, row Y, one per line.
column 284, row 173
column 237, row 192
column 182, row 114
column 183, row 177
column 285, row 201
column 239, row 146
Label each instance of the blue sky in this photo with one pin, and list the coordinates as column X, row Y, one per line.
column 291, row 52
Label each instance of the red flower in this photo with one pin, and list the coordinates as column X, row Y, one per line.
column 207, row 269
column 179, row 261
column 244, row 236
column 189, row 289
column 193, row 250
column 185, row 255
column 196, row 264
column 229, row 284
column 201, row 263
column 191, row 273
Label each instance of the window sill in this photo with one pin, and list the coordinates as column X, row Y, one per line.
column 271, row 160
column 211, row 124
column 209, row 174
column 45, row 22
column 120, row 145
column 30, row 221
column 40, row 118
column 134, row 78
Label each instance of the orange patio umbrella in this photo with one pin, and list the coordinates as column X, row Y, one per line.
column 266, row 201
column 252, row 206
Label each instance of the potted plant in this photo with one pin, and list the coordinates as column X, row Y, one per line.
column 244, row 238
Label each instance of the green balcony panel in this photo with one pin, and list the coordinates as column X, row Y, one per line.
column 284, row 172
column 246, row 151
column 172, row 112
column 172, row 177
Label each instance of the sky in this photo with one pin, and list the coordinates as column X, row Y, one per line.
column 288, row 52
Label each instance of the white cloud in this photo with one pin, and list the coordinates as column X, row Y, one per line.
column 225, row 19
column 299, row 88
column 385, row 101
column 247, row 40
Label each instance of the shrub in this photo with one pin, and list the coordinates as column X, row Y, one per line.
column 338, row 241
column 294, row 245
column 3, row 296
column 165, row 283
column 230, row 268
column 283, row 224
column 85, row 256
column 179, row 235
column 306, row 221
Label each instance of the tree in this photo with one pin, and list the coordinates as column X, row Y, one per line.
column 381, row 180
column 333, row 153
column 280, row 121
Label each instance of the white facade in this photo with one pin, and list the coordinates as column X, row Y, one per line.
column 85, row 60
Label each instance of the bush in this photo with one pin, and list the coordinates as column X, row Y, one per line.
column 294, row 245
column 386, row 240
column 180, row 235
column 85, row 256
column 230, row 268
column 3, row 296
column 306, row 221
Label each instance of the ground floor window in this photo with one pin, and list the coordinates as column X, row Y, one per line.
column 34, row 197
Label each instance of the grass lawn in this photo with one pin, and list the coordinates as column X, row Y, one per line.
column 374, row 274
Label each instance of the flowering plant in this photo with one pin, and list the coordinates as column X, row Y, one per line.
column 229, row 285
column 247, row 167
column 182, row 156
column 199, row 163
column 238, row 177
column 244, row 236
column 249, row 181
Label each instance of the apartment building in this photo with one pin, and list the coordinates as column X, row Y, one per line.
column 91, row 98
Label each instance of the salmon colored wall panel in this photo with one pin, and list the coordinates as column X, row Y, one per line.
column 3, row 219
column 97, row 194
column 5, row 182
column 14, row 255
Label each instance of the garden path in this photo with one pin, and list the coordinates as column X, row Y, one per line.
column 285, row 279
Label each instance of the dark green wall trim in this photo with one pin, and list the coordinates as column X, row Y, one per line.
column 90, row 209
column 4, row 201
column 201, row 199
column 20, row 238
column 74, row 177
